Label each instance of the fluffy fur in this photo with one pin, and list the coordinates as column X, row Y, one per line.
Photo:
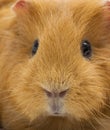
column 58, row 64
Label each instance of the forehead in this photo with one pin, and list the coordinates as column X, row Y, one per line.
column 63, row 15
column 67, row 19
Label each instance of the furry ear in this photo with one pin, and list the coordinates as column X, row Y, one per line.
column 107, row 11
column 21, row 6
column 106, row 23
column 24, row 9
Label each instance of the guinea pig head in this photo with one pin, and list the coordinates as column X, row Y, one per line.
column 63, row 72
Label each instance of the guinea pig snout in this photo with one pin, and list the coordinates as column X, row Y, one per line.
column 56, row 102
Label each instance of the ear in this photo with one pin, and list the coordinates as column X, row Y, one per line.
column 26, row 17
column 107, row 12
column 26, row 8
column 106, row 23
column 21, row 6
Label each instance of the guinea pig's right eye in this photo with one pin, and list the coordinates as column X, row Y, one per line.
column 35, row 47
column 86, row 49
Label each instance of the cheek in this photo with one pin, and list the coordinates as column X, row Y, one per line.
column 30, row 101
column 81, row 101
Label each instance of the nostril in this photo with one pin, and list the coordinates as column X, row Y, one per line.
column 55, row 94
column 49, row 94
column 63, row 93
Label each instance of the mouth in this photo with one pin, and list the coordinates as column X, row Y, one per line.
column 57, row 114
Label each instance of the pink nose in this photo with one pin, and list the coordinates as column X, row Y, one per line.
column 56, row 94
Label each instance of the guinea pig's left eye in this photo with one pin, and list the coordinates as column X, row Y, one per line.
column 86, row 49
column 35, row 47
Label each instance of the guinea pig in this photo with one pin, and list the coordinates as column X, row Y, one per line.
column 55, row 65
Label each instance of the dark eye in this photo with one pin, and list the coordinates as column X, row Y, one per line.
column 35, row 47
column 86, row 49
